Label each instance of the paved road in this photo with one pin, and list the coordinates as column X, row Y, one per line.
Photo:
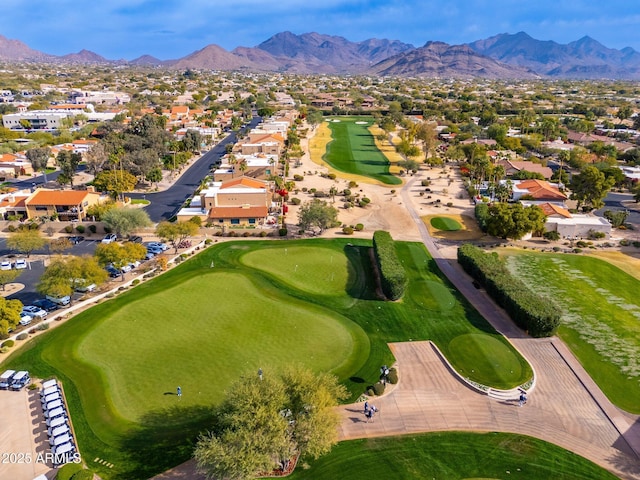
column 166, row 204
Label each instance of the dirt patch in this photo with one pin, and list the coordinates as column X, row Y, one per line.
column 11, row 288
column 469, row 232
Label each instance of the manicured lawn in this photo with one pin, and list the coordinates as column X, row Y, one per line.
column 451, row 456
column 353, row 150
column 446, row 224
column 140, row 201
column 200, row 327
column 601, row 316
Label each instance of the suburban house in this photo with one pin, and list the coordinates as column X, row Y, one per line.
column 511, row 167
column 12, row 166
column 539, row 191
column 573, row 226
column 66, row 205
column 12, row 204
column 237, row 202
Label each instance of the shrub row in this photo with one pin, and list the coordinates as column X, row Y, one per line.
column 537, row 314
column 392, row 275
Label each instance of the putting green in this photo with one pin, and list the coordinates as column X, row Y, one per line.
column 484, row 355
column 322, row 271
column 201, row 340
column 432, row 295
column 446, row 224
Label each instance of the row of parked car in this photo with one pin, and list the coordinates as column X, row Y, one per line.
column 19, row 264
column 57, row 421
column 12, row 380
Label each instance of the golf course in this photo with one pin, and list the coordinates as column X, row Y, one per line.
column 353, row 150
column 233, row 309
column 600, row 316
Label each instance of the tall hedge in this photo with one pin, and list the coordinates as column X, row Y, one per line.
column 539, row 315
column 392, row 275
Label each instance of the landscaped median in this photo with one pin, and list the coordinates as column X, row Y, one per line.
column 232, row 309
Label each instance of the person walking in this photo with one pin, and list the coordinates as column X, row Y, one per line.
column 366, row 407
column 179, row 392
column 523, row 399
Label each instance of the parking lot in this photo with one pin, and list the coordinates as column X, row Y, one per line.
column 23, row 435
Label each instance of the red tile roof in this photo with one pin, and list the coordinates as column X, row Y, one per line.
column 540, row 189
column 239, row 212
column 58, row 197
column 550, row 209
column 243, row 181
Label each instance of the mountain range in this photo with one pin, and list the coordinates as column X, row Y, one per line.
column 504, row 56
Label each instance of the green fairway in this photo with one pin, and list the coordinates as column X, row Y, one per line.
column 451, row 456
column 353, row 150
column 600, row 320
column 446, row 224
column 234, row 308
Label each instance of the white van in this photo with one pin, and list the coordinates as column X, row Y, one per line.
column 62, row 439
column 53, row 405
column 49, row 391
column 5, row 379
column 55, row 413
column 50, row 398
column 59, row 430
column 49, row 383
column 56, row 422
column 20, row 379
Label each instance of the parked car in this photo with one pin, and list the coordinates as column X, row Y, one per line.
column 61, row 301
column 5, row 265
column 87, row 288
column 75, row 239
column 45, row 304
column 112, row 271
column 25, row 318
column 109, row 238
column 160, row 245
column 155, row 250
column 20, row 264
column 135, row 239
column 34, row 311
column 126, row 268
column 149, row 255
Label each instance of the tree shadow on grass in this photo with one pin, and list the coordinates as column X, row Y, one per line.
column 165, row 438
column 360, row 283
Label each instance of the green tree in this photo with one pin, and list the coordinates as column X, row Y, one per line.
column 68, row 163
column 8, row 276
column 65, row 273
column 154, row 175
column 265, row 421
column 39, row 157
column 25, row 241
column 9, row 315
column 191, row 141
column 177, row 232
column 124, row 220
column 513, row 220
column 115, row 182
column 96, row 158
column 59, row 245
column 589, row 187
column 317, row 213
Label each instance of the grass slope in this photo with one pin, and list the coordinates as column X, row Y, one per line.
column 601, row 316
column 353, row 150
column 451, row 455
column 201, row 327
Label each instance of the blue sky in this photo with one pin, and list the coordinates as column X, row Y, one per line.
column 170, row 29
